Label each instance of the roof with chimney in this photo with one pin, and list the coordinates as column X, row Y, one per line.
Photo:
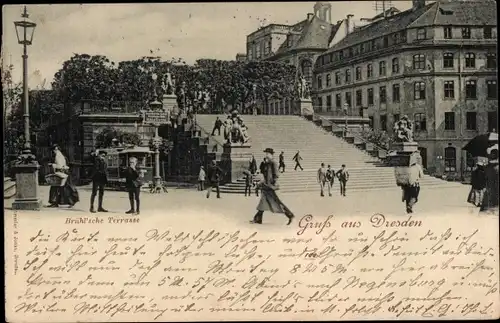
column 468, row 13
column 479, row 12
column 313, row 33
column 389, row 12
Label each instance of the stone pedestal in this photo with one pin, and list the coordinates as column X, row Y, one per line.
column 169, row 102
column 305, row 107
column 235, row 159
column 404, row 154
column 27, row 197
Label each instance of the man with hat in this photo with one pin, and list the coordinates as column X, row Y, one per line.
column 214, row 175
column 269, row 200
column 99, row 180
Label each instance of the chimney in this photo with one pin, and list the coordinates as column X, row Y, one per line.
column 417, row 4
column 348, row 24
column 310, row 16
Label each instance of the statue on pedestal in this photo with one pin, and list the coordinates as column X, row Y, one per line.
column 303, row 88
column 168, row 83
column 235, row 130
column 403, row 130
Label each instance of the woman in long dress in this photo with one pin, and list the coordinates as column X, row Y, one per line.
column 269, row 200
column 491, row 194
column 62, row 195
column 478, row 185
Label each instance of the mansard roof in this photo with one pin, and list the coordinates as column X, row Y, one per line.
column 310, row 34
column 382, row 27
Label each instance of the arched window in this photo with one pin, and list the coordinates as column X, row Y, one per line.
column 450, row 159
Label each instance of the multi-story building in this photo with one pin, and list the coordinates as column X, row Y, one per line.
column 436, row 63
column 297, row 45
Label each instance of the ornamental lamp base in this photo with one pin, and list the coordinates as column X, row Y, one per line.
column 27, row 195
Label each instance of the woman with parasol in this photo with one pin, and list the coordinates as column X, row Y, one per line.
column 486, row 146
column 478, row 183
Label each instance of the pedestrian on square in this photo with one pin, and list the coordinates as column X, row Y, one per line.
column 269, row 200
column 322, row 180
column 133, row 183
column 248, row 183
column 297, row 158
column 99, row 180
column 201, row 179
column 262, row 169
column 491, row 195
column 253, row 165
column 330, row 177
column 343, row 176
column 281, row 165
column 478, row 184
column 66, row 194
column 412, row 189
column 215, row 175
column 217, row 126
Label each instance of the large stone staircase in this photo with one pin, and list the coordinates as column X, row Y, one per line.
column 316, row 145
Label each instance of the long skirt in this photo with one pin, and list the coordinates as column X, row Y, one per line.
column 270, row 201
column 476, row 196
column 64, row 195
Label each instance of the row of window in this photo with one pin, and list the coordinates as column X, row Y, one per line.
column 466, row 32
column 470, row 60
column 420, row 121
column 390, row 40
column 419, row 93
column 258, row 49
column 418, row 63
column 382, row 70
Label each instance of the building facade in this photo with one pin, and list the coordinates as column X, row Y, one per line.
column 298, row 45
column 435, row 63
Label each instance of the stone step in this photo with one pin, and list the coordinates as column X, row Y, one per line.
column 9, row 188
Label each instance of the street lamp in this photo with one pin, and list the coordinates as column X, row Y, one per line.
column 156, row 106
column 26, row 166
column 346, row 107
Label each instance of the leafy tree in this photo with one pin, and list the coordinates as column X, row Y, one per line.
column 109, row 136
column 86, row 77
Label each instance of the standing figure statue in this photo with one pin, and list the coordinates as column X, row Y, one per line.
column 168, row 83
column 302, row 87
column 403, row 130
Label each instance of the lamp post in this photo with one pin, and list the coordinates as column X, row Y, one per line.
column 346, row 107
column 26, row 165
column 156, row 105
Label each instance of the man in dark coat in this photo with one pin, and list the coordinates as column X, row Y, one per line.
column 343, row 176
column 99, row 180
column 269, row 200
column 133, row 183
column 214, row 175
column 281, row 165
column 217, row 126
column 297, row 158
column 253, row 165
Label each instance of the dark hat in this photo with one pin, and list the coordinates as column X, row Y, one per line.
column 343, row 165
column 269, row 150
column 55, row 146
column 102, row 152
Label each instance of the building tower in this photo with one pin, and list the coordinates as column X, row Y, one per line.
column 323, row 10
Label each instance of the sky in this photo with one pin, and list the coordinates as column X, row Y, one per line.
column 129, row 31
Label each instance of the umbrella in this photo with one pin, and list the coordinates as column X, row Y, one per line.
column 479, row 144
column 247, row 173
